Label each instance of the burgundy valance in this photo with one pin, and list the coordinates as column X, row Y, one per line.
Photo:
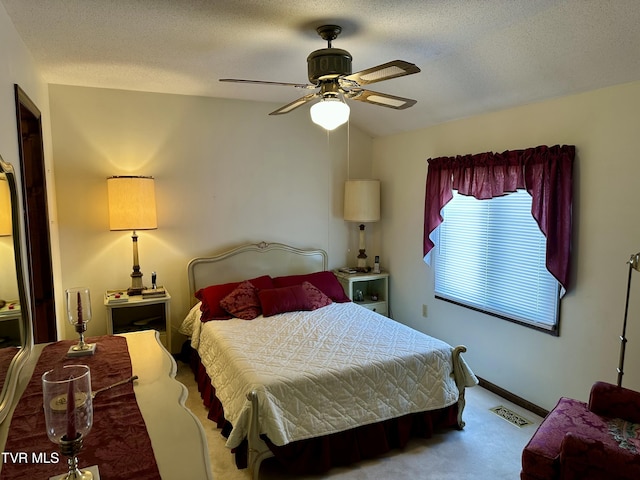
column 545, row 172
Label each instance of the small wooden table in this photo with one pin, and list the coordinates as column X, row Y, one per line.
column 177, row 436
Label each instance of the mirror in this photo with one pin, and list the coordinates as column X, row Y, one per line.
column 15, row 320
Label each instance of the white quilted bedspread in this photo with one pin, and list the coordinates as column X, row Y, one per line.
column 325, row 371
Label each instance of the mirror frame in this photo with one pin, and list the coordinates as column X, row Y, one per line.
column 18, row 361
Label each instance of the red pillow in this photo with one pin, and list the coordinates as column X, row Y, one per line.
column 317, row 299
column 283, row 299
column 212, row 295
column 243, row 302
column 326, row 281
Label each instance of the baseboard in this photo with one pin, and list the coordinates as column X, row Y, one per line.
column 521, row 402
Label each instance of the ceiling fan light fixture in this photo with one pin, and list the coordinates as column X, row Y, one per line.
column 330, row 113
column 329, row 70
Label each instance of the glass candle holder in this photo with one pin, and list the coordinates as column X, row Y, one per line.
column 68, row 411
column 78, row 302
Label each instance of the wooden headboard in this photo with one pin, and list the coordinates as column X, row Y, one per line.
column 253, row 260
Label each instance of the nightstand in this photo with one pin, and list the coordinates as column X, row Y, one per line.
column 10, row 331
column 139, row 313
column 374, row 288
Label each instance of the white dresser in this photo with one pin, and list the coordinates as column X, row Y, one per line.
column 177, row 436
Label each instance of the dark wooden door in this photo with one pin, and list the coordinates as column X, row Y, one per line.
column 38, row 239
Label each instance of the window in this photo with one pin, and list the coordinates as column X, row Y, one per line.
column 490, row 256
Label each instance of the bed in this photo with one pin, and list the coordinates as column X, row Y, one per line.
column 299, row 372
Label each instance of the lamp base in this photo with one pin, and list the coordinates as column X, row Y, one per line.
column 135, row 291
column 87, row 473
column 361, row 260
column 77, row 351
column 136, row 287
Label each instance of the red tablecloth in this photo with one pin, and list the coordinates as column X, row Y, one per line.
column 6, row 355
column 118, row 442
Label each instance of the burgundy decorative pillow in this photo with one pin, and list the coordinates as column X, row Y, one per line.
column 242, row 302
column 326, row 281
column 212, row 295
column 316, row 298
column 283, row 299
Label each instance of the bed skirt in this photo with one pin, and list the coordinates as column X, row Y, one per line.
column 317, row 455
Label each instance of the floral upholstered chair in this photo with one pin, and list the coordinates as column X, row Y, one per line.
column 599, row 440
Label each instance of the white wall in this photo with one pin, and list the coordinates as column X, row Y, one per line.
column 17, row 67
column 603, row 125
column 226, row 173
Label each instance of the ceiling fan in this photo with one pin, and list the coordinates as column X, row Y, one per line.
column 329, row 70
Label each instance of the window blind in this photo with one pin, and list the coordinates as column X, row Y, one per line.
column 491, row 256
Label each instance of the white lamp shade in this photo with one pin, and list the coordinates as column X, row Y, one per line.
column 6, row 227
column 330, row 113
column 362, row 201
column 132, row 203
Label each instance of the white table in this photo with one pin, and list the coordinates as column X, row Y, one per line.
column 178, row 439
column 132, row 316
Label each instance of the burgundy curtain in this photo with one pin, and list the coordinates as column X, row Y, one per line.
column 545, row 172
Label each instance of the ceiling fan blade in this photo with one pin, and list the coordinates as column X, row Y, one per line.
column 386, row 71
column 295, row 104
column 381, row 99
column 261, row 82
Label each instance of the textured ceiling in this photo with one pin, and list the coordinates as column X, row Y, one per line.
column 475, row 55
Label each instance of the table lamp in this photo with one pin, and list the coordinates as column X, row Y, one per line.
column 362, row 205
column 6, row 228
column 132, row 206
